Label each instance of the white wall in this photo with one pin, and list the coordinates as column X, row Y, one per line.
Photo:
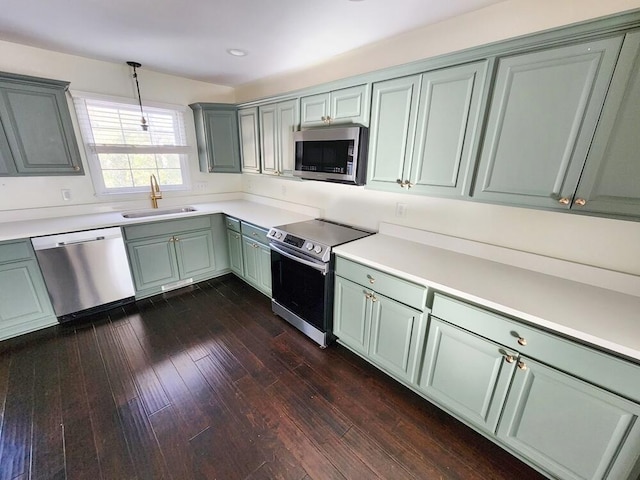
column 25, row 197
column 612, row 244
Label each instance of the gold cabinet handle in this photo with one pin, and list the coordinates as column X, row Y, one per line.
column 409, row 184
column 371, row 279
column 522, row 341
column 236, row 236
column 401, row 183
column 522, row 365
column 76, row 168
column 255, row 245
column 176, row 239
column 210, row 169
column 581, row 202
column 564, row 201
column 509, row 358
column 254, row 234
column 374, row 298
column 368, row 295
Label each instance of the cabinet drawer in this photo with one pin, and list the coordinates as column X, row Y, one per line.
column 12, row 251
column 388, row 285
column 597, row 367
column 255, row 233
column 233, row 224
column 168, row 227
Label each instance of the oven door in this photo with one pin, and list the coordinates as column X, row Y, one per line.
column 300, row 285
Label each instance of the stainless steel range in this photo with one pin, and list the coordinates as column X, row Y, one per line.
column 302, row 273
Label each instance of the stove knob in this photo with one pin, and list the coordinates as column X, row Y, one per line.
column 318, row 249
column 278, row 235
column 309, row 246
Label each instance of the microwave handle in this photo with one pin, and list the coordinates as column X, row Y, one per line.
column 321, row 267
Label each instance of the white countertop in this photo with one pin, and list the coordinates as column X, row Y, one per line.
column 604, row 318
column 259, row 214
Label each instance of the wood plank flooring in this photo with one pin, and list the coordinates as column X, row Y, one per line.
column 206, row 383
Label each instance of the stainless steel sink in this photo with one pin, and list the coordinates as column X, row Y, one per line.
column 159, row 211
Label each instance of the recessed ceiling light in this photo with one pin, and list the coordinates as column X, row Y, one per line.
column 236, row 52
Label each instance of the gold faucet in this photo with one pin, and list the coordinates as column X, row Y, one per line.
column 156, row 194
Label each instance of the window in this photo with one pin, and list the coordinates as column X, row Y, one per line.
column 123, row 156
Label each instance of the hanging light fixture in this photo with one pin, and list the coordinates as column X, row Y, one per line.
column 143, row 121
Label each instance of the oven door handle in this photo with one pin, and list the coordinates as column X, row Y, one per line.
column 321, row 267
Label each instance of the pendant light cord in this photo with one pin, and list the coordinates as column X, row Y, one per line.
column 143, row 121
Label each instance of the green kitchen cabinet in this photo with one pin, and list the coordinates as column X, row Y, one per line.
column 257, row 257
column 36, row 132
column 387, row 331
column 467, row 374
column 234, row 240
column 351, row 319
column 424, row 130
column 24, row 302
column 610, row 182
column 174, row 253
column 277, row 122
column 570, row 428
column 541, row 120
column 347, row 105
column 249, row 139
column 217, row 137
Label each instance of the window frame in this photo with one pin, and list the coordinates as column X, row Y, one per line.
column 93, row 150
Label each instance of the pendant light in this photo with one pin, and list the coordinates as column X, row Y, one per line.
column 143, row 121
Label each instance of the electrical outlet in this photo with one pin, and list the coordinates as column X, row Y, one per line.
column 401, row 210
column 201, row 186
column 66, row 194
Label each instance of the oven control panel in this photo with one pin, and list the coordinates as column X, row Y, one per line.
column 310, row 248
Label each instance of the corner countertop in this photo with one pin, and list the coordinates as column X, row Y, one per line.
column 256, row 213
column 597, row 316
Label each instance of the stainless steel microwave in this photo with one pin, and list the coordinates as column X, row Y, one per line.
column 332, row 154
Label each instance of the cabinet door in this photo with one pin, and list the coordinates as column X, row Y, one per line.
column 249, row 144
column 610, row 182
column 570, row 428
column 194, row 253
column 466, row 374
column 447, row 129
column 23, row 298
column 393, row 123
column 251, row 261
column 264, row 267
column 352, row 315
column 395, row 333
column 541, row 120
column 235, row 252
column 288, row 119
column 222, row 137
column 314, row 109
column 7, row 163
column 153, row 262
column 268, row 139
column 350, row 105
column 39, row 131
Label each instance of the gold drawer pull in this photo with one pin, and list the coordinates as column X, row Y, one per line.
column 522, row 365
column 509, row 358
column 371, row 279
column 522, row 341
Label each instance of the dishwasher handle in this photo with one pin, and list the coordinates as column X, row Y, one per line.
column 75, row 242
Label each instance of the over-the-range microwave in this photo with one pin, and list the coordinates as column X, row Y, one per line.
column 332, row 154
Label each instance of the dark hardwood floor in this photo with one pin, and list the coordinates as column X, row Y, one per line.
column 206, row 383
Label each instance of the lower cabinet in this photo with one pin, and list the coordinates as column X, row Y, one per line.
column 568, row 410
column 24, row 302
column 382, row 329
column 570, row 428
column 249, row 254
column 175, row 253
column 467, row 373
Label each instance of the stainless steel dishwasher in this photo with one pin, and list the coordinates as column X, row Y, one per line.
column 85, row 272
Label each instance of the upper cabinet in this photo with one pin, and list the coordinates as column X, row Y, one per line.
column 217, row 137
column 424, row 130
column 249, row 140
column 277, row 123
column 610, row 182
column 541, row 121
column 36, row 132
column 347, row 105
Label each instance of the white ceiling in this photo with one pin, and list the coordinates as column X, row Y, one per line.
column 190, row 37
